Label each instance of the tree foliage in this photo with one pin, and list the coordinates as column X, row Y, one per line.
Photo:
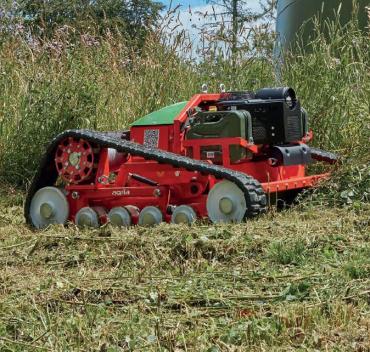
column 134, row 18
column 235, row 26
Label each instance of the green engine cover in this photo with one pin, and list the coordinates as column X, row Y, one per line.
column 222, row 124
column 164, row 116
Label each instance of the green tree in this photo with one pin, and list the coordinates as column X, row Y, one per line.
column 134, row 18
column 232, row 23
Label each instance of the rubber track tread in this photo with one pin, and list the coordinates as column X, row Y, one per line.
column 46, row 175
column 322, row 155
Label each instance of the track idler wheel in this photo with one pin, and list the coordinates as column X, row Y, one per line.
column 74, row 160
column 183, row 214
column 150, row 216
column 87, row 217
column 119, row 216
column 226, row 203
column 49, row 206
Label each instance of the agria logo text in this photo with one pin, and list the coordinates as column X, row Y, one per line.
column 123, row 192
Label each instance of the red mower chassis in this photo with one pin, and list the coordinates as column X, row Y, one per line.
column 86, row 181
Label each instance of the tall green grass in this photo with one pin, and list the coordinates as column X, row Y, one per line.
column 100, row 83
column 333, row 81
column 47, row 89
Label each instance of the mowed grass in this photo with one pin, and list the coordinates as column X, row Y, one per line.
column 293, row 280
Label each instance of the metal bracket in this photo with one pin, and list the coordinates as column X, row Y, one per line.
column 292, row 155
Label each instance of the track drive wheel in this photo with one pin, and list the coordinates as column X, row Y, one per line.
column 74, row 160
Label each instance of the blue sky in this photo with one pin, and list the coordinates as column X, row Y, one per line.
column 198, row 3
column 192, row 3
column 192, row 21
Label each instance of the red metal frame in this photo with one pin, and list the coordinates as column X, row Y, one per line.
column 224, row 143
column 115, row 186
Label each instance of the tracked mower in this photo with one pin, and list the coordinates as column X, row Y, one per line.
column 217, row 156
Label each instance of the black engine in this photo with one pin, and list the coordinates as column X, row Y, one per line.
column 277, row 116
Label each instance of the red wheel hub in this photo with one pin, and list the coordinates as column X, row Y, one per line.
column 74, row 160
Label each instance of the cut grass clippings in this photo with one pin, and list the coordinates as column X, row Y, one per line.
column 298, row 279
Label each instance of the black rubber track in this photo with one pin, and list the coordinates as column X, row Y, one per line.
column 47, row 175
column 322, row 155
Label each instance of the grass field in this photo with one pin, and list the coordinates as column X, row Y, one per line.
column 293, row 280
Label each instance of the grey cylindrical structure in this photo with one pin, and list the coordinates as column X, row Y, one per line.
column 292, row 14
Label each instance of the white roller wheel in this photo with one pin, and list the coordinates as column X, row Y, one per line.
column 226, row 203
column 87, row 217
column 49, row 206
column 150, row 216
column 119, row 216
column 183, row 214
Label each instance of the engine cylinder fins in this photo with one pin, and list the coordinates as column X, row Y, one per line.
column 226, row 203
column 87, row 217
column 183, row 214
column 49, row 206
column 120, row 216
column 74, row 160
column 150, row 216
